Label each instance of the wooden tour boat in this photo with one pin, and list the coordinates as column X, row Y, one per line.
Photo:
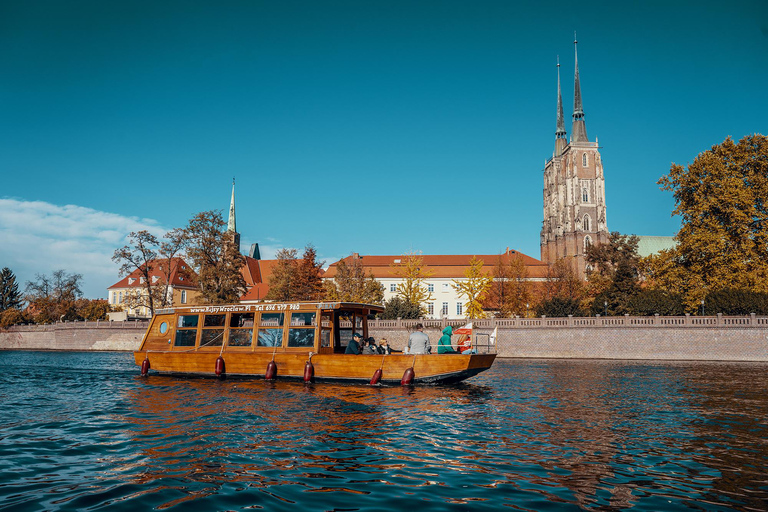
column 299, row 340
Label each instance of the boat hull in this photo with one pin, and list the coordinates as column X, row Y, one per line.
column 428, row 368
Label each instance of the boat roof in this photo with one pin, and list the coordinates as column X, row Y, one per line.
column 244, row 307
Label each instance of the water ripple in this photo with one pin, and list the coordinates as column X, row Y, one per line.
column 84, row 432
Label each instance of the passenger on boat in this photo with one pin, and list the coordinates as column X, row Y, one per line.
column 353, row 347
column 384, row 347
column 444, row 346
column 418, row 341
column 370, row 346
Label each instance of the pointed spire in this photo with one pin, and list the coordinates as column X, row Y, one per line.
column 579, row 130
column 231, row 223
column 560, row 140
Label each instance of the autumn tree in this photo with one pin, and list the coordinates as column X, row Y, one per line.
column 283, row 278
column 215, row 257
column 723, row 238
column 146, row 255
column 52, row 298
column 614, row 275
column 308, row 284
column 510, row 292
column 351, row 284
column 411, row 270
column 474, row 287
column 10, row 296
column 562, row 291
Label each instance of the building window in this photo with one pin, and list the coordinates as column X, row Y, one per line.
column 430, row 287
column 459, row 308
column 183, row 296
column 587, row 243
column 584, row 160
column 114, row 297
column 585, row 195
column 155, row 279
column 445, row 309
column 586, row 223
column 445, row 287
column 131, row 280
column 141, row 280
column 121, row 298
column 431, row 308
column 393, row 287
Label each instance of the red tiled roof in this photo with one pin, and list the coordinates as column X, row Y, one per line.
column 182, row 275
column 442, row 265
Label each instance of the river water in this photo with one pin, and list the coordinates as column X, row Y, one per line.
column 83, row 431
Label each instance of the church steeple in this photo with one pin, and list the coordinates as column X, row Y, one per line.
column 560, row 140
column 579, row 130
column 231, row 223
column 231, row 227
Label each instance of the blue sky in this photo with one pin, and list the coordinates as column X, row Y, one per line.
column 376, row 127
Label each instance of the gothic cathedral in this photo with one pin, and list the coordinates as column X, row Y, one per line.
column 574, row 189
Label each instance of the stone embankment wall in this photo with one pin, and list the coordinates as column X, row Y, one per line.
column 715, row 338
column 100, row 335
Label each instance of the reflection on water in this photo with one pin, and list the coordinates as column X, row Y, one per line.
column 84, row 431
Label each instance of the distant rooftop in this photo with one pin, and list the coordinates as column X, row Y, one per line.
column 653, row 244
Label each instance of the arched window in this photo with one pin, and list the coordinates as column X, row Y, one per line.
column 584, row 195
column 587, row 243
column 585, row 224
column 584, row 160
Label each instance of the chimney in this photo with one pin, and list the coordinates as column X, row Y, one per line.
column 355, row 256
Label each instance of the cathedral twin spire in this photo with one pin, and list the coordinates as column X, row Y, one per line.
column 579, row 128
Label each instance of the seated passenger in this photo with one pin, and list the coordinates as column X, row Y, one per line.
column 444, row 345
column 353, row 347
column 384, row 347
column 369, row 347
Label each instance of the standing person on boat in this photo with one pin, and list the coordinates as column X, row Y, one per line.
column 444, row 345
column 384, row 347
column 353, row 347
column 418, row 341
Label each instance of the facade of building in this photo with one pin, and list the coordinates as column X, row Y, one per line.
column 574, row 189
column 130, row 292
column 445, row 301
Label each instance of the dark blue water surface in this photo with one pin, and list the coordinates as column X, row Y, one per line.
column 83, row 431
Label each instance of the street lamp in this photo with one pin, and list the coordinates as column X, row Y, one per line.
column 605, row 304
column 527, row 306
column 702, row 307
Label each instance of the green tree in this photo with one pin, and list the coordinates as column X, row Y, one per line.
column 474, row 287
column 615, row 273
column 10, row 296
column 411, row 270
column 723, row 238
column 559, row 307
column 351, row 284
column 215, row 257
column 398, row 307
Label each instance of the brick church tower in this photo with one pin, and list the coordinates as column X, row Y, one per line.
column 574, row 189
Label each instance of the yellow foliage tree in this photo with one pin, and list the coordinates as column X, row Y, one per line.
column 474, row 287
column 412, row 271
column 723, row 238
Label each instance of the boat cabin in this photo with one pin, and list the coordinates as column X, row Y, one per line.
column 319, row 327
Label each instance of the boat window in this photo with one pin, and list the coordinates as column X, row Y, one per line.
column 163, row 327
column 326, row 324
column 241, row 329
column 271, row 330
column 213, row 331
column 346, row 322
column 214, row 320
column 302, row 331
column 188, row 320
column 241, row 320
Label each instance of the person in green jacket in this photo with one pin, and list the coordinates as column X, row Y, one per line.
column 444, row 345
